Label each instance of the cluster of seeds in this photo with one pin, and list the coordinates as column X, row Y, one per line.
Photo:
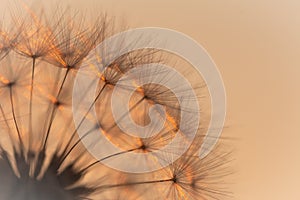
column 41, row 154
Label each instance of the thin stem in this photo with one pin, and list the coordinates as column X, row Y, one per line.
column 136, row 183
column 80, row 123
column 6, row 123
column 107, row 157
column 78, row 141
column 30, row 101
column 63, row 82
column 73, row 147
column 14, row 115
column 53, row 112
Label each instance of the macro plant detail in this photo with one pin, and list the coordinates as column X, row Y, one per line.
column 42, row 153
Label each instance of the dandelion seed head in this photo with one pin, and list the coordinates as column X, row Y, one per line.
column 42, row 156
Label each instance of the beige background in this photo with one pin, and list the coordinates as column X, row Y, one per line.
column 256, row 45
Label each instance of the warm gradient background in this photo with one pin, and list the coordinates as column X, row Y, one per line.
column 256, row 45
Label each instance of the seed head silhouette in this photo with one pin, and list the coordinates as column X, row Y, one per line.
column 41, row 154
